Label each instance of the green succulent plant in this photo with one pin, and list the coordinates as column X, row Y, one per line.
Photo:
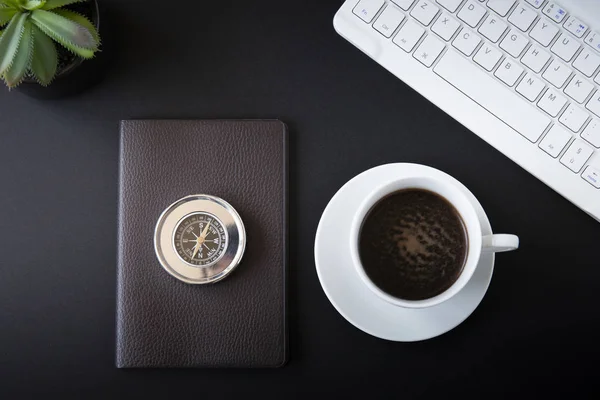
column 29, row 30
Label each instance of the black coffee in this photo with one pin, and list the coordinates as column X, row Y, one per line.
column 413, row 244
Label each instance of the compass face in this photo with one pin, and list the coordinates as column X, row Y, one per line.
column 200, row 239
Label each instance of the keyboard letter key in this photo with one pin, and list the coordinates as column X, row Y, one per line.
column 450, row 5
column 509, row 72
column 587, row 62
column 492, row 28
column 577, row 155
column 557, row 73
column 530, row 87
column 424, row 12
column 466, row 42
column 429, row 50
column 504, row 105
column 594, row 104
column 366, row 9
column 579, row 89
column 543, row 32
column 408, row 36
column 522, row 17
column 535, row 58
column 388, row 21
column 514, row 43
column 445, row 27
column 555, row 141
column 471, row 13
column 565, row 47
column 501, row 6
column 487, row 57
column 573, row 118
column 552, row 102
column 404, row 4
column 591, row 133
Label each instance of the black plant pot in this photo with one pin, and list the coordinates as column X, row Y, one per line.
column 73, row 78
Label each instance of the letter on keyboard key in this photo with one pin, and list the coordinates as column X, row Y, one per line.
column 522, row 17
column 591, row 133
column 424, row 11
column 530, row 87
column 429, row 50
column 552, row 102
column 543, row 32
column 587, row 62
column 555, row 141
column 450, row 5
column 409, row 35
column 579, row 89
column 577, row 155
column 404, row 4
column 557, row 73
column 366, row 9
column 573, row 118
column 487, row 57
column 492, row 28
column 509, row 72
column 445, row 27
column 565, row 47
column 592, row 176
column 388, row 21
column 471, row 13
column 491, row 95
column 501, row 6
column 535, row 58
column 514, row 43
column 594, row 104
column 466, row 42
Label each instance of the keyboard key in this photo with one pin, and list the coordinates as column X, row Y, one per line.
column 514, row 43
column 587, row 62
column 509, row 72
column 535, row 58
column 557, row 73
column 487, row 57
column 366, row 9
column 579, row 89
column 409, row 35
column 555, row 12
column 592, row 176
column 576, row 26
column 522, row 17
column 593, row 39
column 530, row 87
column 565, row 47
column 555, row 141
column 450, row 5
column 429, row 50
column 552, row 102
column 445, row 27
column 492, row 28
column 577, row 155
column 594, row 104
column 543, row 32
column 573, row 118
column 477, row 85
column 404, row 4
column 591, row 133
column 424, row 11
column 466, row 42
column 388, row 21
column 472, row 13
column 501, row 6
column 536, row 3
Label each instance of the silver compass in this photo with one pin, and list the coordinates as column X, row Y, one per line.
column 200, row 239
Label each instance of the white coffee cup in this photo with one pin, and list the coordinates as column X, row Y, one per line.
column 446, row 187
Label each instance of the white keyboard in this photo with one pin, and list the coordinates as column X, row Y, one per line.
column 521, row 74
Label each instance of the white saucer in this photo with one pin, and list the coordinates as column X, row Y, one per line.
column 357, row 303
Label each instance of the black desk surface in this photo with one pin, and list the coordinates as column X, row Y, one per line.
column 534, row 330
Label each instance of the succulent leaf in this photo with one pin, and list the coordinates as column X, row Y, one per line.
column 66, row 32
column 15, row 74
column 9, row 41
column 81, row 20
column 11, row 3
column 6, row 15
column 32, row 4
column 45, row 58
column 51, row 4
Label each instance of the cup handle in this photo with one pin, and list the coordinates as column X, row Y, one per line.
column 499, row 243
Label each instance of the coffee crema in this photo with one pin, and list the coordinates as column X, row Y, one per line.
column 413, row 244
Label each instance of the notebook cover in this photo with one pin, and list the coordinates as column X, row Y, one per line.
column 240, row 321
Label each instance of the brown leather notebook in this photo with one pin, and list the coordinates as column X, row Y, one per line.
column 241, row 320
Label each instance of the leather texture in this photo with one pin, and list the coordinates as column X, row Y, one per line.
column 240, row 321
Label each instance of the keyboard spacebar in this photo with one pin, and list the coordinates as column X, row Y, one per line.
column 492, row 95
